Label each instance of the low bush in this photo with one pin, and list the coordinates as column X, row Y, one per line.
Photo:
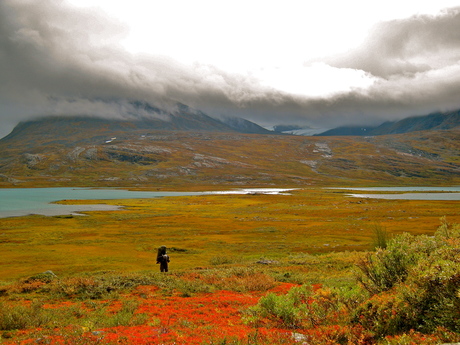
column 415, row 284
column 384, row 268
column 307, row 307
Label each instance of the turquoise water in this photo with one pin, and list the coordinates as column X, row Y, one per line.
column 24, row 201
column 407, row 189
column 423, row 193
column 412, row 196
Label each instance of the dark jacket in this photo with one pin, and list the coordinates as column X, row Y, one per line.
column 163, row 261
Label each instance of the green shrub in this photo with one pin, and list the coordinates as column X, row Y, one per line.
column 303, row 307
column 289, row 310
column 433, row 289
column 383, row 269
column 415, row 284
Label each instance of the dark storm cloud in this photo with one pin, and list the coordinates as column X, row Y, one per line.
column 55, row 59
column 49, row 51
column 58, row 60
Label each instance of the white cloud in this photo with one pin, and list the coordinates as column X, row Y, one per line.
column 315, row 80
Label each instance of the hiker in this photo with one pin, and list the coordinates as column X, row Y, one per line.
column 163, row 259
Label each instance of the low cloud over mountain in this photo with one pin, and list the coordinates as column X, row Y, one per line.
column 56, row 59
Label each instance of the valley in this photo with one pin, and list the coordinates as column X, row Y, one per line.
column 307, row 245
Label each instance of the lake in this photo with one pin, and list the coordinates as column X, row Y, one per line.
column 16, row 202
column 423, row 193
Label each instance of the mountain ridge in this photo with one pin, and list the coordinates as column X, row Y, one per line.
column 147, row 117
column 433, row 121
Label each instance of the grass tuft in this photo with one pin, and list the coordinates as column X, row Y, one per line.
column 381, row 236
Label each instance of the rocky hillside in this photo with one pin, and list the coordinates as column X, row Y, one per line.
column 82, row 152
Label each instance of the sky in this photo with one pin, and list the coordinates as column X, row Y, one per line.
column 312, row 63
